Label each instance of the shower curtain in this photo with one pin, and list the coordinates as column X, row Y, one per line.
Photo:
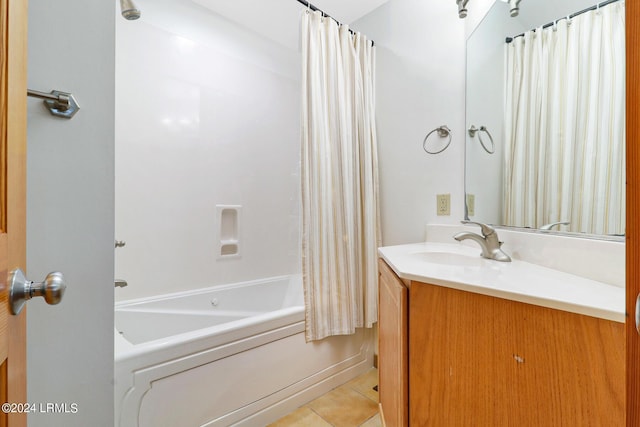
column 565, row 124
column 339, row 173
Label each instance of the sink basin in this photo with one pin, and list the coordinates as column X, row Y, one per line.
column 450, row 258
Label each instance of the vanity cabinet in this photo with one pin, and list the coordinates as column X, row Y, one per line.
column 393, row 355
column 475, row 360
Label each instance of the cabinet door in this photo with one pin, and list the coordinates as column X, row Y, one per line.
column 481, row 361
column 393, row 349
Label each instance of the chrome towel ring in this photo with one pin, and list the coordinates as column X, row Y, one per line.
column 472, row 133
column 443, row 132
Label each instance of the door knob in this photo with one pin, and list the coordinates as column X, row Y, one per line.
column 21, row 290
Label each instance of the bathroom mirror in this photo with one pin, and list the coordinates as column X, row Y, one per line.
column 506, row 187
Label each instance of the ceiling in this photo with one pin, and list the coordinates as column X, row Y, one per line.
column 347, row 11
column 278, row 20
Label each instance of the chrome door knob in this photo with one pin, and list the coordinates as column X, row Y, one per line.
column 21, row 290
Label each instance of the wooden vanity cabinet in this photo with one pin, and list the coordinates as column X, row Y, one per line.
column 393, row 355
column 475, row 360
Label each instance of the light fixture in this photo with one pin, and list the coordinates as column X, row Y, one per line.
column 514, row 7
column 462, row 8
column 129, row 10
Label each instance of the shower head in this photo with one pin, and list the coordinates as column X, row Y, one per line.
column 462, row 8
column 129, row 10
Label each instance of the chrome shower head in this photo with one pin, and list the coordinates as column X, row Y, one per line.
column 462, row 8
column 129, row 10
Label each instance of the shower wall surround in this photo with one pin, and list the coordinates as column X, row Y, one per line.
column 207, row 114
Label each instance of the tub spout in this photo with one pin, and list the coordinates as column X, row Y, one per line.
column 119, row 283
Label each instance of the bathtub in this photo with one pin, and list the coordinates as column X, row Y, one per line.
column 225, row 355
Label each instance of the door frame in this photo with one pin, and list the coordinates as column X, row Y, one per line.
column 632, row 231
column 13, row 220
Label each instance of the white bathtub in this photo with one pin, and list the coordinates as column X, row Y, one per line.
column 225, row 355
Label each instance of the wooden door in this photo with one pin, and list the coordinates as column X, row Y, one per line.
column 13, row 109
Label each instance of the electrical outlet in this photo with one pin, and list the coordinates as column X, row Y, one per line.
column 471, row 204
column 443, row 204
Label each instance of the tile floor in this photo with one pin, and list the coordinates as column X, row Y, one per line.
column 354, row 404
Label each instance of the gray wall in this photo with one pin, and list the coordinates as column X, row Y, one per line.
column 70, row 210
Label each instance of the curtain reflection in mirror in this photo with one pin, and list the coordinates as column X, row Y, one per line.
column 565, row 124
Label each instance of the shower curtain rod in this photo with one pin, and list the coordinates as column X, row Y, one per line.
column 573, row 15
column 314, row 8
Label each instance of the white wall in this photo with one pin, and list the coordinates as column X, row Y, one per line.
column 420, row 86
column 477, row 11
column 207, row 113
column 70, row 211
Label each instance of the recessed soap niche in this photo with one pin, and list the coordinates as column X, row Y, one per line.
column 228, row 226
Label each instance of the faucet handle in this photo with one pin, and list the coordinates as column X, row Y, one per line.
column 553, row 224
column 487, row 230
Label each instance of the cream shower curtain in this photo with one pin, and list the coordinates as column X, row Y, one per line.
column 565, row 124
column 339, row 179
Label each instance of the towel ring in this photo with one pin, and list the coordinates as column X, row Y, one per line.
column 472, row 133
column 443, row 132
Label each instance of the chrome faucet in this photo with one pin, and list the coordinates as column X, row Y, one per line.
column 553, row 224
column 488, row 241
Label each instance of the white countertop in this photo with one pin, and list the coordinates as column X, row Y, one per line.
column 437, row 263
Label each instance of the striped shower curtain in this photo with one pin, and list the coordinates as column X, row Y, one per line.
column 339, row 173
column 565, row 124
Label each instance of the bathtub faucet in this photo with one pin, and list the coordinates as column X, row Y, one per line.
column 120, row 283
column 488, row 241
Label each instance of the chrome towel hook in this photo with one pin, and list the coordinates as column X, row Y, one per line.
column 60, row 104
column 443, row 132
column 472, row 132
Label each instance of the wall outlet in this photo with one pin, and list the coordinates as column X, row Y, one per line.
column 471, row 204
column 443, row 204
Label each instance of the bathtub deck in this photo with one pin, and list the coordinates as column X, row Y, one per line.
column 354, row 404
